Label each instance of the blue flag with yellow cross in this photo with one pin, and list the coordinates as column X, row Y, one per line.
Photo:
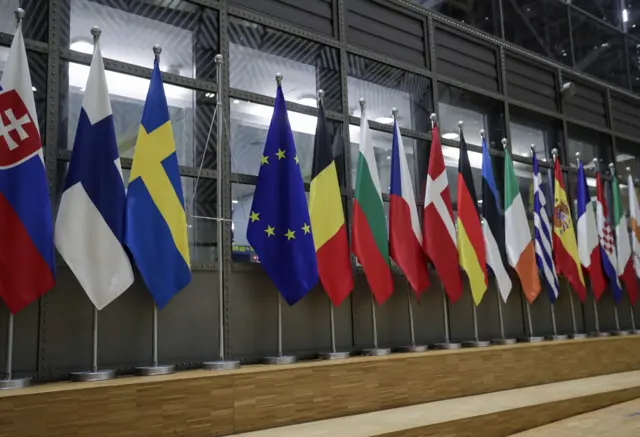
column 279, row 228
column 156, row 224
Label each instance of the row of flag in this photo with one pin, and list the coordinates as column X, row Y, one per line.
column 100, row 226
column 300, row 244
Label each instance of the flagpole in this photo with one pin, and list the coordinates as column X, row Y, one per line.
column 333, row 354
column 413, row 347
column 597, row 332
column 375, row 351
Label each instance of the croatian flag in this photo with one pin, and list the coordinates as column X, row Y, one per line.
column 27, row 257
column 607, row 242
column 90, row 226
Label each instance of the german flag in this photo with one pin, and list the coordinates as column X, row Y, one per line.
column 327, row 217
column 471, row 252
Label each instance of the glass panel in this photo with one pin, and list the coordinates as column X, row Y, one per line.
column 385, row 87
column 627, row 155
column 633, row 52
column 540, row 26
column 382, row 149
column 528, row 127
column 477, row 112
column 183, row 29
column 484, row 15
column 128, row 95
column 35, row 24
column 599, row 50
column 590, row 144
column 606, row 10
column 257, row 53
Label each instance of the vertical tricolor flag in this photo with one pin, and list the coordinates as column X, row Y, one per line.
column 327, row 217
column 607, row 242
column 89, row 230
column 27, row 255
column 405, row 236
column 492, row 226
column 438, row 229
column 471, row 251
column 634, row 216
column 520, row 249
column 588, row 245
column 565, row 247
column 626, row 271
column 369, row 240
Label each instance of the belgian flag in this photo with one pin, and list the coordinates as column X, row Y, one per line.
column 327, row 217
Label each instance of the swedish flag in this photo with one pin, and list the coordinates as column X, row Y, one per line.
column 156, row 227
column 279, row 227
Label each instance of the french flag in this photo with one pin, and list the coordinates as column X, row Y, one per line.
column 27, row 255
column 607, row 242
column 405, row 236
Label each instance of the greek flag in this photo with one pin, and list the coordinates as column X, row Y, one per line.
column 543, row 234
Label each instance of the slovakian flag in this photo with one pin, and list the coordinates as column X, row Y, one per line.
column 89, row 230
column 327, row 217
column 405, row 235
column 438, row 230
column 27, row 255
column 588, row 244
column 369, row 240
column 607, row 242
column 471, row 251
column 625, row 269
column 565, row 247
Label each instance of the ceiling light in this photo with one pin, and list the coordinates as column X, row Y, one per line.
column 210, row 95
column 34, row 89
column 82, row 46
column 625, row 15
column 236, row 101
column 384, row 120
column 234, row 201
column 451, row 136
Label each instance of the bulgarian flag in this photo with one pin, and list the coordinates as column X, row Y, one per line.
column 369, row 240
column 625, row 269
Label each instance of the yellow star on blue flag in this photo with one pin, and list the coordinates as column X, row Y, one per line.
column 288, row 256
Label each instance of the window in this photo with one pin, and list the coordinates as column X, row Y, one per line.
column 605, row 10
column 128, row 95
column 384, row 88
column 590, row 144
column 35, row 22
column 476, row 111
column 530, row 128
column 627, row 155
column 257, row 53
column 484, row 15
column 451, row 161
column 187, row 33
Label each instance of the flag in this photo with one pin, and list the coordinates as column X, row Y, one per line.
column 492, row 225
column 405, row 235
column 607, row 243
column 565, row 247
column 544, row 253
column 625, row 269
column 89, row 230
column 27, row 255
column 327, row 217
column 156, row 224
column 471, row 251
column 634, row 215
column 369, row 238
column 438, row 230
column 520, row 249
column 279, row 228
column 588, row 245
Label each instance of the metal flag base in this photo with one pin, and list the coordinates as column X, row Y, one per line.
column 634, row 332
column 88, row 376
column 620, row 333
column 448, row 346
column 474, row 343
column 599, row 334
column 377, row 352
column 221, row 365
column 534, row 339
column 8, row 384
column 558, row 337
column 504, row 341
column 282, row 359
column 154, row 370
column 413, row 348
column 578, row 336
column 334, row 355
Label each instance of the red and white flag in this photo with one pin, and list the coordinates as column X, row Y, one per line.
column 438, row 229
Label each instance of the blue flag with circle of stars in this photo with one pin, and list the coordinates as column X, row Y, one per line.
column 279, row 227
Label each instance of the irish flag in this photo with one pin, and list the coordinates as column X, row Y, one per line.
column 520, row 251
column 625, row 269
column 369, row 240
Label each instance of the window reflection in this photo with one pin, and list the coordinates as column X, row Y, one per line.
column 257, row 53
column 590, row 144
column 529, row 128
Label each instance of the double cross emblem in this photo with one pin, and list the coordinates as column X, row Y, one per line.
column 19, row 136
column 13, row 124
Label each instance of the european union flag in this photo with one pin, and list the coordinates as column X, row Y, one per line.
column 156, row 225
column 279, row 227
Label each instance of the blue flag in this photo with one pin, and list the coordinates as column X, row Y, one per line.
column 279, row 227
column 156, row 226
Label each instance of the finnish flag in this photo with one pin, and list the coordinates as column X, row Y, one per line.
column 89, row 229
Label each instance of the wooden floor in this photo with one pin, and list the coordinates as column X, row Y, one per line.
column 493, row 414
column 622, row 420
